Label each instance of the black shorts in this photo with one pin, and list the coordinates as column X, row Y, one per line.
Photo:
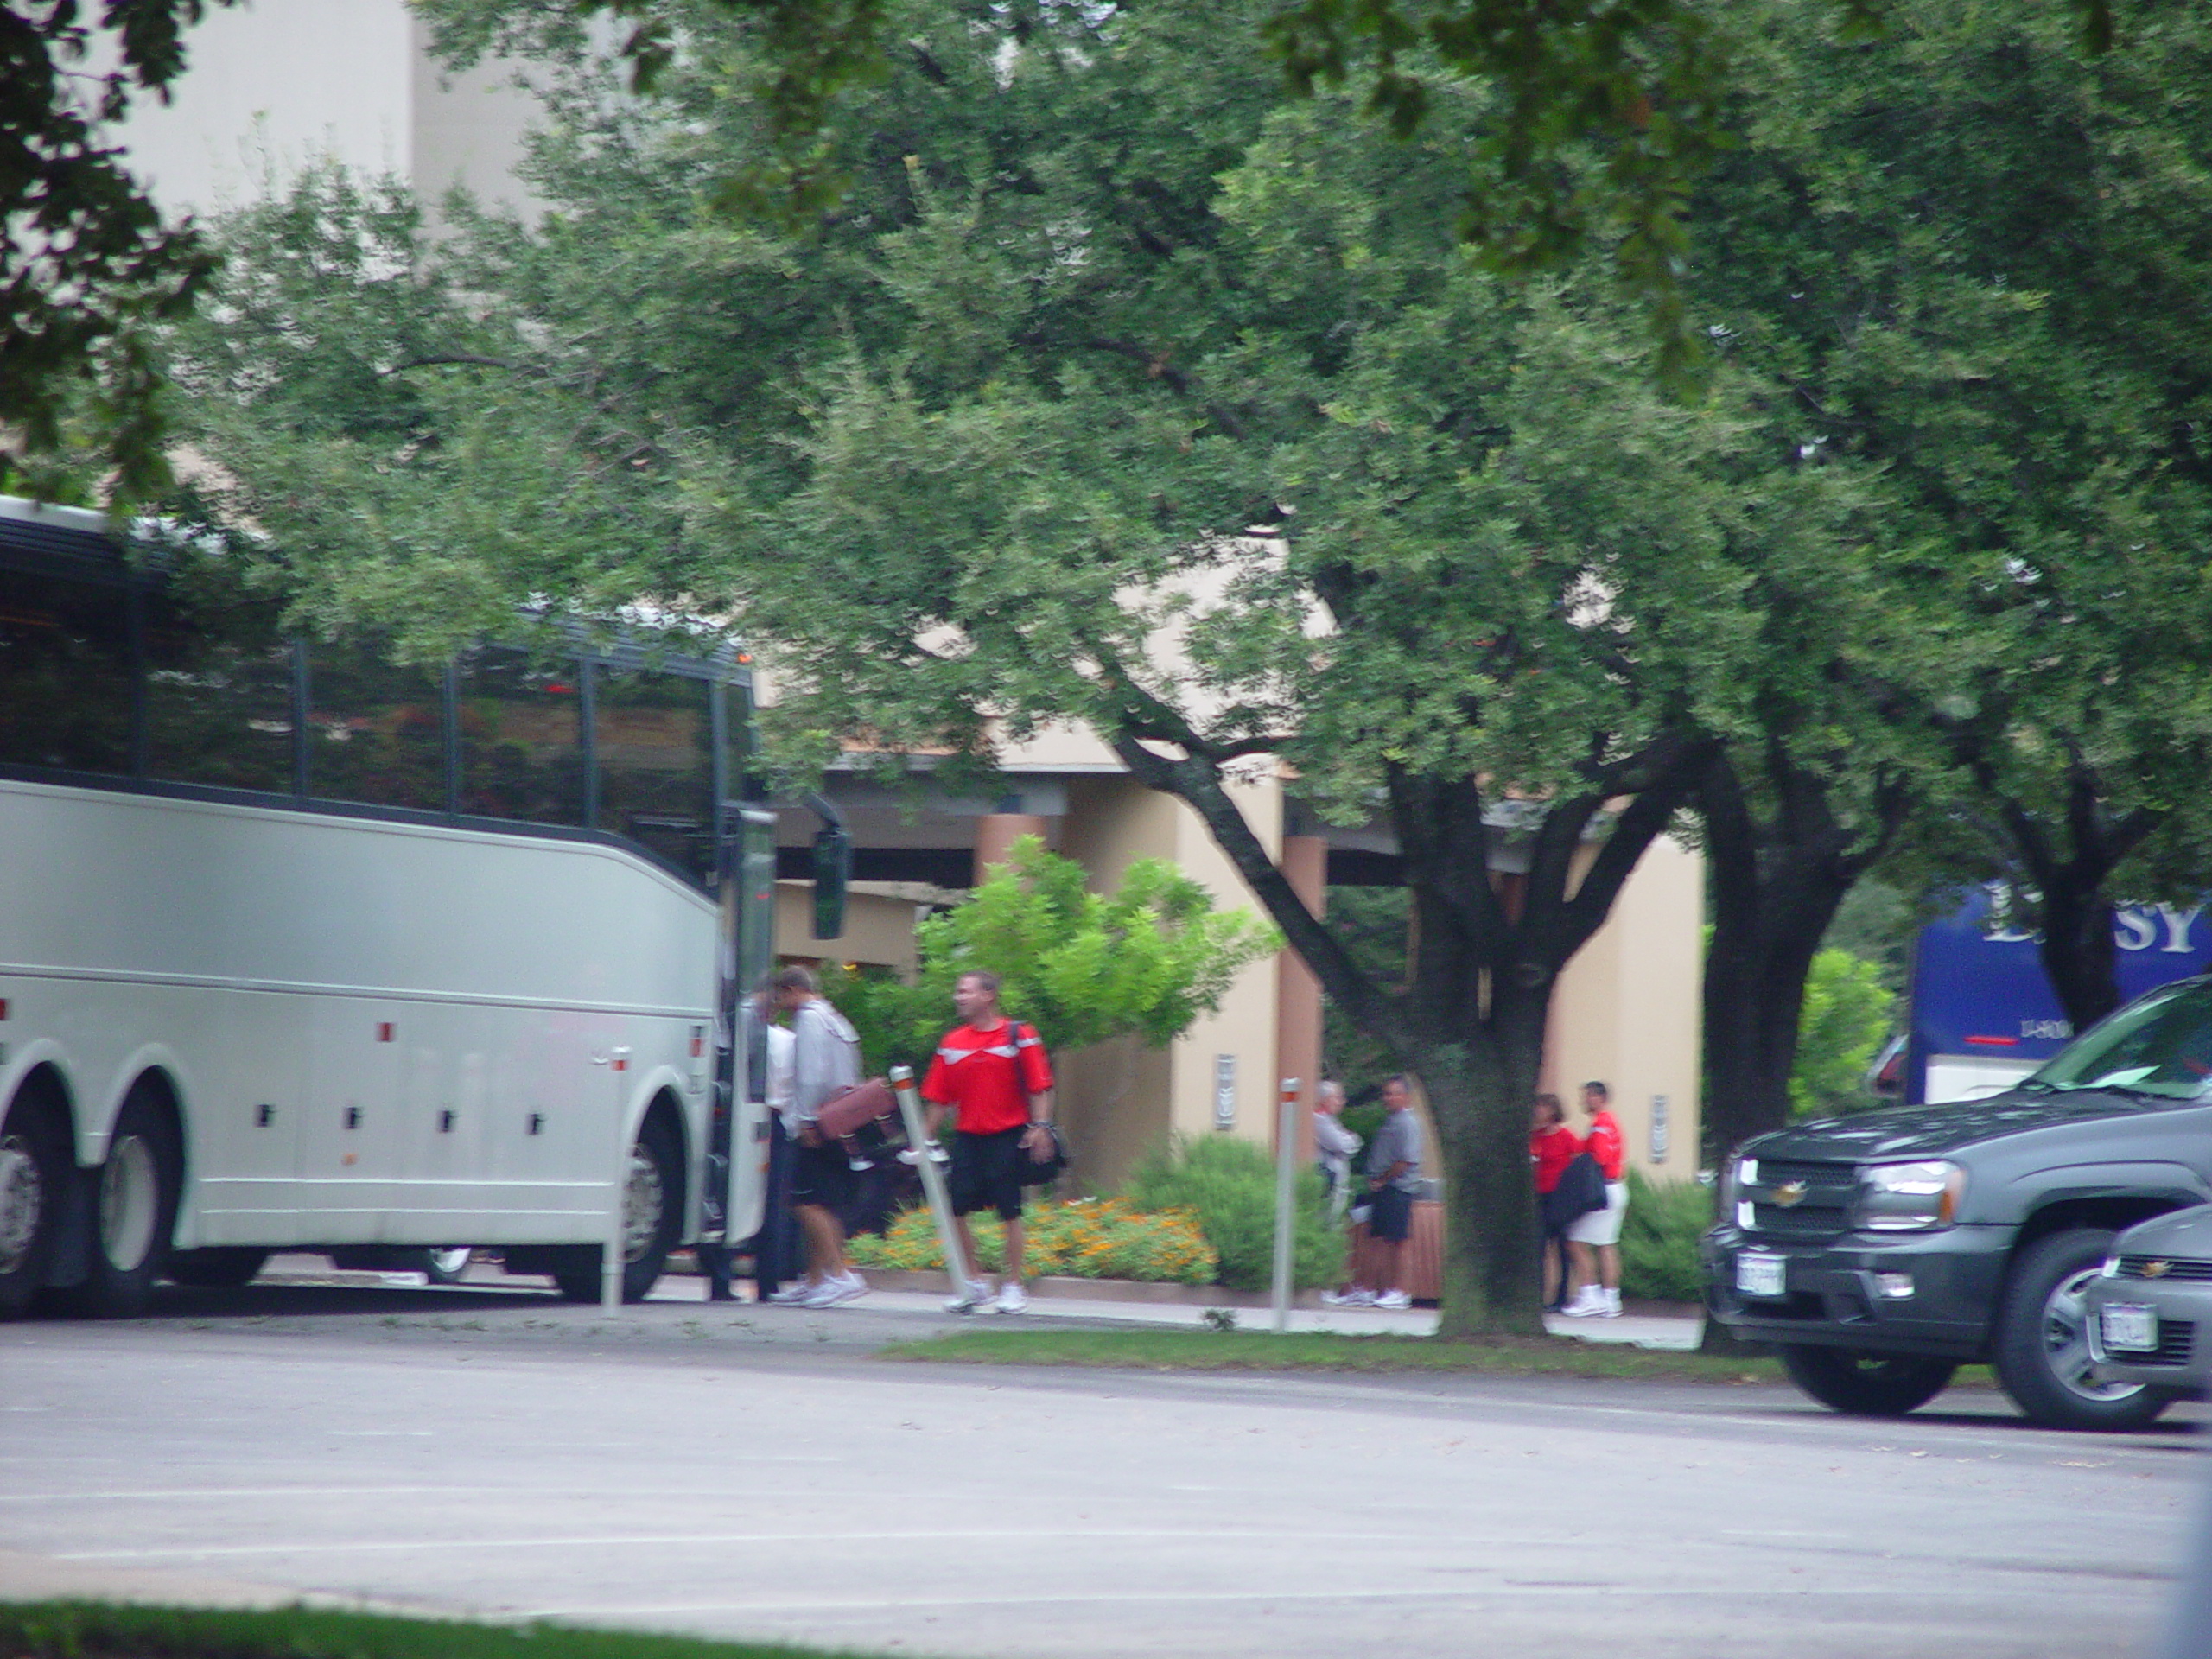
column 986, row 1172
column 1392, row 1214
column 822, row 1175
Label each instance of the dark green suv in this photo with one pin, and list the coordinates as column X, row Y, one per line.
column 1878, row 1252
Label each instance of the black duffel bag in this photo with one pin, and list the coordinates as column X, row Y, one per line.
column 1581, row 1189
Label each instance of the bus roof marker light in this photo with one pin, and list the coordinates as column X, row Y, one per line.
column 3, row 1007
column 383, row 1031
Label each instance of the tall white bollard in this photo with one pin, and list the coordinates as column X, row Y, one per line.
column 611, row 1252
column 940, row 1202
column 1286, row 1198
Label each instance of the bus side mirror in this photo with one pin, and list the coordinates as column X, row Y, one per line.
column 833, row 870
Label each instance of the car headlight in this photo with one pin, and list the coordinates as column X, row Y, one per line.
column 1733, row 1177
column 1911, row 1197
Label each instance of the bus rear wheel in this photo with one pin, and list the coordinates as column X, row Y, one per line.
column 35, row 1168
column 653, row 1216
column 136, row 1194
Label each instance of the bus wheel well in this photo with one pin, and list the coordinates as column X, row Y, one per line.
column 663, row 1107
column 158, row 1089
column 42, row 1086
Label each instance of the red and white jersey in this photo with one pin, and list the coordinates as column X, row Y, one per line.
column 987, row 1077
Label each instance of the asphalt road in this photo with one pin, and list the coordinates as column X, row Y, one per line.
column 755, row 1471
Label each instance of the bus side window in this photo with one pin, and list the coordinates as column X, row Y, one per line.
column 219, row 694
column 655, row 744
column 522, row 750
column 65, row 674
column 376, row 729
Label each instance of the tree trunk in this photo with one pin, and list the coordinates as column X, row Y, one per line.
column 1776, row 886
column 1479, row 1091
column 2080, row 956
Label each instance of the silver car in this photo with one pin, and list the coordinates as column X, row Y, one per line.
column 2149, row 1313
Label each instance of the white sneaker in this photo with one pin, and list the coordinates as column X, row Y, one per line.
column 969, row 1298
column 858, row 1164
column 1393, row 1298
column 1610, row 1306
column 793, row 1294
column 1013, row 1298
column 1353, row 1298
column 1588, row 1303
column 832, row 1293
column 912, row 1155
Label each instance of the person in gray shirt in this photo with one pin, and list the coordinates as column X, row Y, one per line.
column 825, row 1061
column 1392, row 1178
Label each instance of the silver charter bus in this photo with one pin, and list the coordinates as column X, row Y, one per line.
column 303, row 950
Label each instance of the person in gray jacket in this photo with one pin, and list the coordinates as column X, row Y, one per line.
column 825, row 1060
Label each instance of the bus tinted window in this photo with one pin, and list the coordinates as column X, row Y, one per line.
column 656, row 751
column 219, row 694
column 522, row 752
column 65, row 674
column 376, row 730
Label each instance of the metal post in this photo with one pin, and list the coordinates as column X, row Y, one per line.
column 940, row 1202
column 1286, row 1196
column 611, row 1252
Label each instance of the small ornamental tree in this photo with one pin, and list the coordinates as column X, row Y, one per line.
column 1081, row 966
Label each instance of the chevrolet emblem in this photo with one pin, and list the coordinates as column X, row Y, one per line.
column 1789, row 1194
column 2156, row 1269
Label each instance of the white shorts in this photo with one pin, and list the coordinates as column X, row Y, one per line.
column 1602, row 1226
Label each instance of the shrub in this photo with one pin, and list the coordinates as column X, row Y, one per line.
column 1087, row 1238
column 1230, row 1184
column 1659, row 1239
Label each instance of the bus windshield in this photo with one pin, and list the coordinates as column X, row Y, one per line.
column 2160, row 1045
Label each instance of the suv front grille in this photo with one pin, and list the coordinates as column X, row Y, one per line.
column 2176, row 1340
column 2169, row 1267
column 1796, row 1201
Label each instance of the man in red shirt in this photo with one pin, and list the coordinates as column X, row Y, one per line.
column 1552, row 1146
column 994, row 1075
column 1594, row 1240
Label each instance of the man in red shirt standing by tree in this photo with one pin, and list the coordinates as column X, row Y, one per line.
column 993, row 1073
column 1593, row 1242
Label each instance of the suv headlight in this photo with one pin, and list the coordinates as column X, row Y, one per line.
column 1739, row 1174
column 1911, row 1197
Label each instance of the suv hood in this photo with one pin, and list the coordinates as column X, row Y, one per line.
column 1933, row 1131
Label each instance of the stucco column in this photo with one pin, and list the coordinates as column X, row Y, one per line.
column 995, row 832
column 1305, row 863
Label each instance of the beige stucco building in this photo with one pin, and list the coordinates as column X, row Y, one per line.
column 276, row 84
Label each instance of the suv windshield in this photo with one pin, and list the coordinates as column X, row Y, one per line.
column 2159, row 1046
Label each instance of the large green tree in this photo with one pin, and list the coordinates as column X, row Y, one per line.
column 1971, row 252
column 1113, row 390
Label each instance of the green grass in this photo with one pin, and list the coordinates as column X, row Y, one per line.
column 77, row 1629
column 1317, row 1350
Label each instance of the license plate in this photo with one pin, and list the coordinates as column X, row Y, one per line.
column 2131, row 1327
column 1758, row 1274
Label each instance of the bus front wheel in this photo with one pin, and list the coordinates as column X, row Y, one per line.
column 653, row 1216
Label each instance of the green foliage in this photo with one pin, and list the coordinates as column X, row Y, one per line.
column 1081, row 966
column 1848, row 1016
column 86, row 266
column 1230, row 1184
column 1370, row 922
column 1084, row 1239
column 1659, row 1238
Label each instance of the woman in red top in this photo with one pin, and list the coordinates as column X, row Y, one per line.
column 1552, row 1146
column 1594, row 1240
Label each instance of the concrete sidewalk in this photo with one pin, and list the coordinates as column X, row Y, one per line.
column 1639, row 1329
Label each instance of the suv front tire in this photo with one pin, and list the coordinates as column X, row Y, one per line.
column 2041, row 1348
